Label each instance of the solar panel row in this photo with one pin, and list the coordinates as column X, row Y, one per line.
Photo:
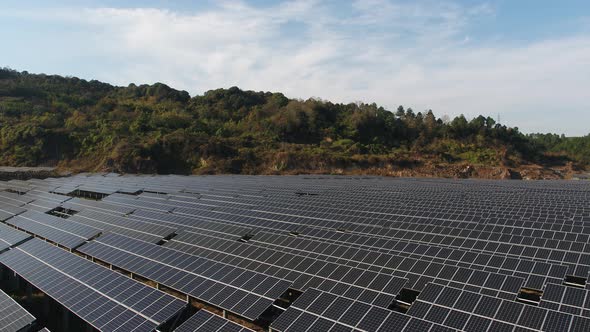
column 470, row 311
column 10, row 237
column 566, row 299
column 58, row 230
column 149, row 232
column 13, row 317
column 322, row 311
column 103, row 298
column 78, row 204
column 237, row 290
column 303, row 272
column 204, row 321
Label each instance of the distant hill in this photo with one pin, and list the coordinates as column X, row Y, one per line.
column 92, row 126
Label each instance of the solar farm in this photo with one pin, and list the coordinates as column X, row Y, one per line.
column 109, row 252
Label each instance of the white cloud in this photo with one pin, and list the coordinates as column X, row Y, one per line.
column 420, row 54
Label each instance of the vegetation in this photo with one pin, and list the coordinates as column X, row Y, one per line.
column 576, row 148
column 89, row 125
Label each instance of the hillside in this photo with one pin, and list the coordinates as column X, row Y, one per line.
column 92, row 126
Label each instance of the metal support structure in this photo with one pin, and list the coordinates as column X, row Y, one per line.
column 29, row 293
column 15, row 281
column 46, row 305
column 65, row 320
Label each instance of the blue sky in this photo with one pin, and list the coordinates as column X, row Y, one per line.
column 526, row 61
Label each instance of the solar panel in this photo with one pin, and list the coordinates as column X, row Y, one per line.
column 133, row 201
column 42, row 205
column 14, row 199
column 205, row 321
column 194, row 224
column 13, row 317
column 65, row 189
column 103, row 298
column 8, row 211
column 10, row 237
column 58, row 230
column 566, row 299
column 37, row 194
column 107, row 190
column 78, row 204
column 142, row 230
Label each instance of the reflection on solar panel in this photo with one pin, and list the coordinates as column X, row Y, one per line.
column 420, row 254
column 105, row 299
column 10, row 237
column 13, row 317
column 204, row 321
column 58, row 230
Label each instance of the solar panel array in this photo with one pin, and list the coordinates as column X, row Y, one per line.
column 105, row 299
column 470, row 311
column 329, row 253
column 321, row 311
column 13, row 317
column 302, row 271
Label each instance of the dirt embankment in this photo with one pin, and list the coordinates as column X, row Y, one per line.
column 462, row 171
column 533, row 172
column 416, row 166
column 25, row 173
